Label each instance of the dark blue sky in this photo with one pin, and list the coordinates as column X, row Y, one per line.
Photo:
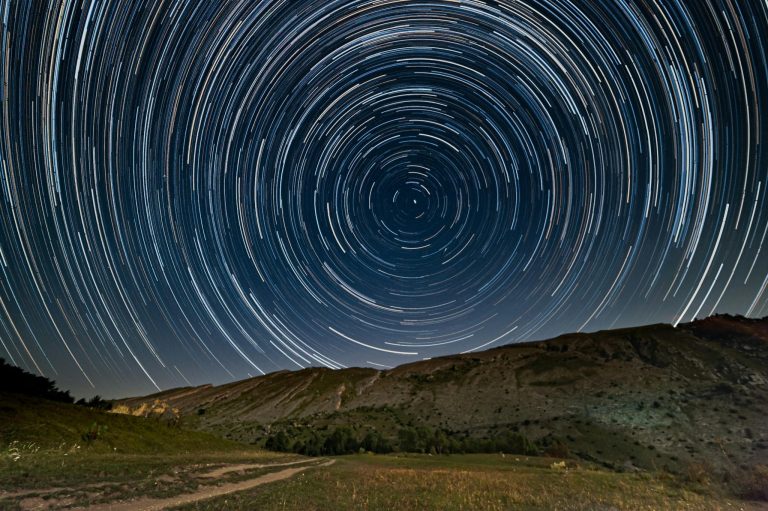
column 197, row 192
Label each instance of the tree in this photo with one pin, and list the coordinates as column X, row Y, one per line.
column 371, row 441
column 408, row 439
column 515, row 443
column 278, row 442
column 17, row 380
column 341, row 441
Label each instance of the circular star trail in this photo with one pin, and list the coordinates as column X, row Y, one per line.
column 199, row 191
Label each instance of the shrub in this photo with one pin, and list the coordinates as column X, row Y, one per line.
column 94, row 432
column 557, row 450
column 95, row 402
column 698, row 472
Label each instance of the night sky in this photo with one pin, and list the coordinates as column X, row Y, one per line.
column 198, row 192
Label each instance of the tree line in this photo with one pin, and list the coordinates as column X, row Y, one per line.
column 18, row 381
column 421, row 439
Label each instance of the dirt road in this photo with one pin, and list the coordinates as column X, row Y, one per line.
column 207, row 492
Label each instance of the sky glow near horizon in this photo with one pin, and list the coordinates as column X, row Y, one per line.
column 198, row 192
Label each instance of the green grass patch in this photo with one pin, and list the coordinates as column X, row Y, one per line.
column 60, row 426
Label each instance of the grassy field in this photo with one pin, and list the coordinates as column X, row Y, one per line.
column 87, row 458
column 471, row 482
column 57, row 454
column 62, row 479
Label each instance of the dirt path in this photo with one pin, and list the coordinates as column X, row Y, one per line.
column 204, row 493
column 215, row 474
column 47, row 491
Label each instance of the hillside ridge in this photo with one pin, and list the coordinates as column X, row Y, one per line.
column 650, row 396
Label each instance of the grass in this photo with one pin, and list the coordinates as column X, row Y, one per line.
column 466, row 482
column 75, row 465
column 46, row 444
column 47, row 459
column 47, row 454
column 82, row 477
column 52, row 426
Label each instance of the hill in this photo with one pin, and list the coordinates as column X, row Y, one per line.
column 36, row 414
column 49, row 425
column 652, row 397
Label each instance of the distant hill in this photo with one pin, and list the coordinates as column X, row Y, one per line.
column 646, row 397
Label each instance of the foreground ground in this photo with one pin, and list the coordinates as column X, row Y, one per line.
column 250, row 479
column 73, row 478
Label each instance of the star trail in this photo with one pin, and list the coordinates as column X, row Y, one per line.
column 201, row 191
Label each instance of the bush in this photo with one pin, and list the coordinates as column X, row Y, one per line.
column 95, row 432
column 95, row 402
column 699, row 473
column 557, row 450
